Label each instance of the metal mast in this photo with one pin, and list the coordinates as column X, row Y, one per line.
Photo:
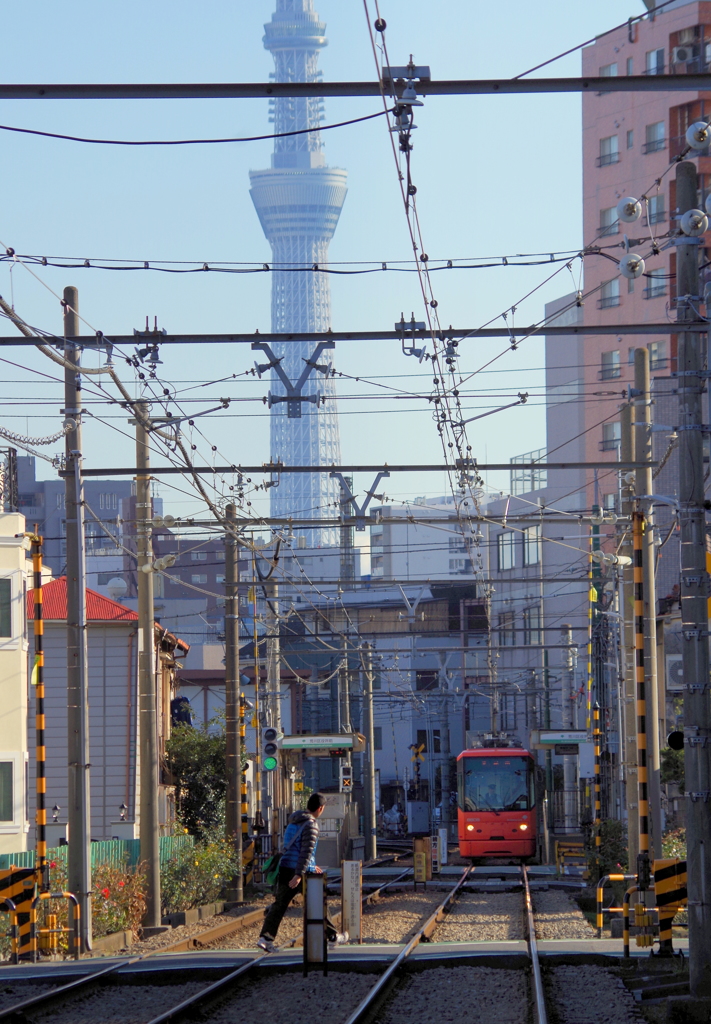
column 299, row 201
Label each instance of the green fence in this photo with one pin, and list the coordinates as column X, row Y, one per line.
column 117, row 853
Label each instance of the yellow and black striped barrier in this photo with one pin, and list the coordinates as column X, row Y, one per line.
column 569, row 850
column 599, row 896
column 19, row 886
column 49, row 933
column 671, row 896
column 40, row 723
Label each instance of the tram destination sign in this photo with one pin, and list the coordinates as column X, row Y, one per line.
column 544, row 739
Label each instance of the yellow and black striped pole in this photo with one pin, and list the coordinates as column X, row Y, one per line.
column 598, row 813
column 40, row 748
column 638, row 580
column 592, row 598
column 244, row 813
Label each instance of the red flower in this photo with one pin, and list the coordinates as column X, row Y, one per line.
column 121, row 885
column 53, row 863
column 105, row 893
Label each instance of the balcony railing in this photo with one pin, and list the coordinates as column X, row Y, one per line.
column 658, row 364
column 658, row 217
column 608, row 302
column 678, row 143
column 611, row 372
column 609, row 444
column 605, row 159
column 654, row 291
column 654, row 145
column 609, row 229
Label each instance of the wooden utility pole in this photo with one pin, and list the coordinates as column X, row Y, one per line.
column 79, row 809
column 692, row 368
column 233, row 810
column 629, row 718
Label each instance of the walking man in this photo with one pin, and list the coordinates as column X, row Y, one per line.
column 298, row 859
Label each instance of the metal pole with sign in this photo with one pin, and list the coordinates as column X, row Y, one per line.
column 315, row 913
column 351, row 899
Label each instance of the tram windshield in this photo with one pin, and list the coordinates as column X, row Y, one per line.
column 495, row 784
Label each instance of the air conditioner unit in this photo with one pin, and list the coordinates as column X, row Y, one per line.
column 683, row 54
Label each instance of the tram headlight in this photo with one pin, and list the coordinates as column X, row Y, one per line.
column 470, row 828
column 523, row 827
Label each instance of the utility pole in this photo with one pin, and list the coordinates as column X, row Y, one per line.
column 629, row 746
column 147, row 730
column 641, row 402
column 233, row 759
column 692, row 367
column 570, row 816
column 371, row 846
column 79, row 809
column 272, row 707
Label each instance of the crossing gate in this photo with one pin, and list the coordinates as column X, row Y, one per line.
column 18, row 885
column 670, row 893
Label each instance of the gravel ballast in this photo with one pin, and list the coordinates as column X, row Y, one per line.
column 16, row 992
column 292, row 999
column 487, row 917
column 458, row 994
column 394, row 919
column 584, row 993
column 557, row 916
column 120, row 1004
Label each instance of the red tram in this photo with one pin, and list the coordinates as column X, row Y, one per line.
column 496, row 803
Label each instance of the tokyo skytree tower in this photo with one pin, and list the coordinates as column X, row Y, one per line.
column 299, row 200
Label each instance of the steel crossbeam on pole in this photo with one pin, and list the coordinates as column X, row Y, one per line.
column 268, row 467
column 463, row 333
column 265, row 90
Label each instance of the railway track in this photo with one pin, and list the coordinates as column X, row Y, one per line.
column 358, row 989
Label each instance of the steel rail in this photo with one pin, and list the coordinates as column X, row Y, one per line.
column 217, row 988
column 368, row 1004
column 373, row 896
column 262, row 90
column 539, row 1001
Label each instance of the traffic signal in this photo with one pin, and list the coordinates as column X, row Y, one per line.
column 346, row 779
column 270, row 747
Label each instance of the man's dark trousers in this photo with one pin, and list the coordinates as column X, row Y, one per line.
column 284, row 896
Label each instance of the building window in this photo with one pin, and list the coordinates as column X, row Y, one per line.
column 657, row 355
column 425, row 680
column 5, row 608
column 507, row 629
column 609, row 294
column 656, row 283
column 532, row 545
column 219, row 556
column 609, row 151
column 198, row 556
column 654, row 62
column 610, row 365
column 608, row 71
column 6, row 794
column 609, row 221
column 610, row 436
column 656, row 214
column 654, row 138
column 506, row 547
column 507, row 711
column 525, row 480
column 532, row 631
column 199, row 577
column 630, row 138
column 422, row 741
column 378, row 737
column 219, row 579
column 630, row 66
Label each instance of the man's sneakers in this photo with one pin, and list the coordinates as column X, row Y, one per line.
column 267, row 944
column 339, row 939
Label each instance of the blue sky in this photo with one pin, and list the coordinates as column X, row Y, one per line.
column 495, row 176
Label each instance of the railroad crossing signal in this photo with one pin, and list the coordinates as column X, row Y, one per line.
column 346, row 780
column 270, row 747
column 417, row 754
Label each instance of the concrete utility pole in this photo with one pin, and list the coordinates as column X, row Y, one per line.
column 692, row 366
column 79, row 810
column 233, row 760
column 371, row 846
column 643, row 486
column 627, row 451
column 570, row 804
column 148, row 725
column 272, row 709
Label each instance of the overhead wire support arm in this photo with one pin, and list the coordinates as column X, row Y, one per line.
column 293, row 396
column 262, row 90
column 360, row 517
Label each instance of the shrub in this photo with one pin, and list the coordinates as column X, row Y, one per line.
column 118, row 898
column 197, row 875
column 613, row 847
column 672, row 767
column 674, row 843
column 196, row 758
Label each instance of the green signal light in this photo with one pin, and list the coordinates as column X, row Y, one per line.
column 270, row 763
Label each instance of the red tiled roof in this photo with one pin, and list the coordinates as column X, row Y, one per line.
column 98, row 608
